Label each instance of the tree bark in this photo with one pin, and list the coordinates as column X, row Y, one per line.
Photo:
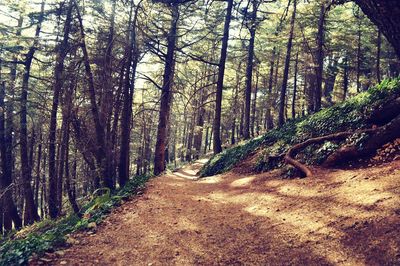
column 106, row 98
column 268, row 116
column 282, row 102
column 358, row 68
column 295, row 86
column 235, row 103
column 254, row 107
column 345, row 78
column 128, row 91
column 9, row 212
column 217, row 146
column 64, row 166
column 101, row 157
column 164, row 113
column 331, row 73
column 57, row 87
column 386, row 16
column 320, row 57
column 249, row 70
column 378, row 57
column 30, row 214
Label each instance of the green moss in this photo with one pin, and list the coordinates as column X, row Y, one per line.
column 349, row 115
column 51, row 234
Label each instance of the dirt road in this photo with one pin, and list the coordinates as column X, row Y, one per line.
column 347, row 217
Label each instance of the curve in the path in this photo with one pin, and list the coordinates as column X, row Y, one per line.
column 251, row 220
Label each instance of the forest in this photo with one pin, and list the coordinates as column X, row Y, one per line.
column 99, row 96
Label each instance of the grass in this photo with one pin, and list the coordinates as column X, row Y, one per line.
column 349, row 115
column 50, row 234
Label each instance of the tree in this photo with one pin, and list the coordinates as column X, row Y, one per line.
column 30, row 214
column 62, row 51
column 251, row 24
column 282, row 103
column 320, row 56
column 159, row 154
column 386, row 16
column 133, row 53
column 9, row 212
column 217, row 147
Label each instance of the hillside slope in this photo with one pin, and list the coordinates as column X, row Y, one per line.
column 366, row 110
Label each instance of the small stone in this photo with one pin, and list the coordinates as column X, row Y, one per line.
column 92, row 225
column 63, row 262
column 72, row 241
column 59, row 253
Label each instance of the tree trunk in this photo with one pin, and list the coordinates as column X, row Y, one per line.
column 30, row 214
column 249, row 71
column 101, row 157
column 386, row 16
column 206, row 140
column 345, row 78
column 268, row 116
column 331, row 73
column 235, row 103
column 220, row 82
column 164, row 113
column 9, row 211
column 198, row 137
column 320, row 57
column 128, row 91
column 311, row 92
column 38, row 167
column 254, row 107
column 106, row 107
column 190, row 139
column 378, row 57
column 64, row 163
column 57, row 87
column 295, row 86
column 358, row 69
column 282, row 102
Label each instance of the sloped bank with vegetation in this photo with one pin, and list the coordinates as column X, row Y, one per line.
column 50, row 234
column 374, row 112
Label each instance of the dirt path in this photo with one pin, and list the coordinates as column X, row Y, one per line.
column 347, row 217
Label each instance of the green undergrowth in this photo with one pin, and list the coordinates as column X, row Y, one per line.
column 50, row 234
column 349, row 115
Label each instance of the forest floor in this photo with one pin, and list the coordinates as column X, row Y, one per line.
column 346, row 217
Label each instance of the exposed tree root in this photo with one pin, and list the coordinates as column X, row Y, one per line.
column 381, row 135
column 291, row 153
